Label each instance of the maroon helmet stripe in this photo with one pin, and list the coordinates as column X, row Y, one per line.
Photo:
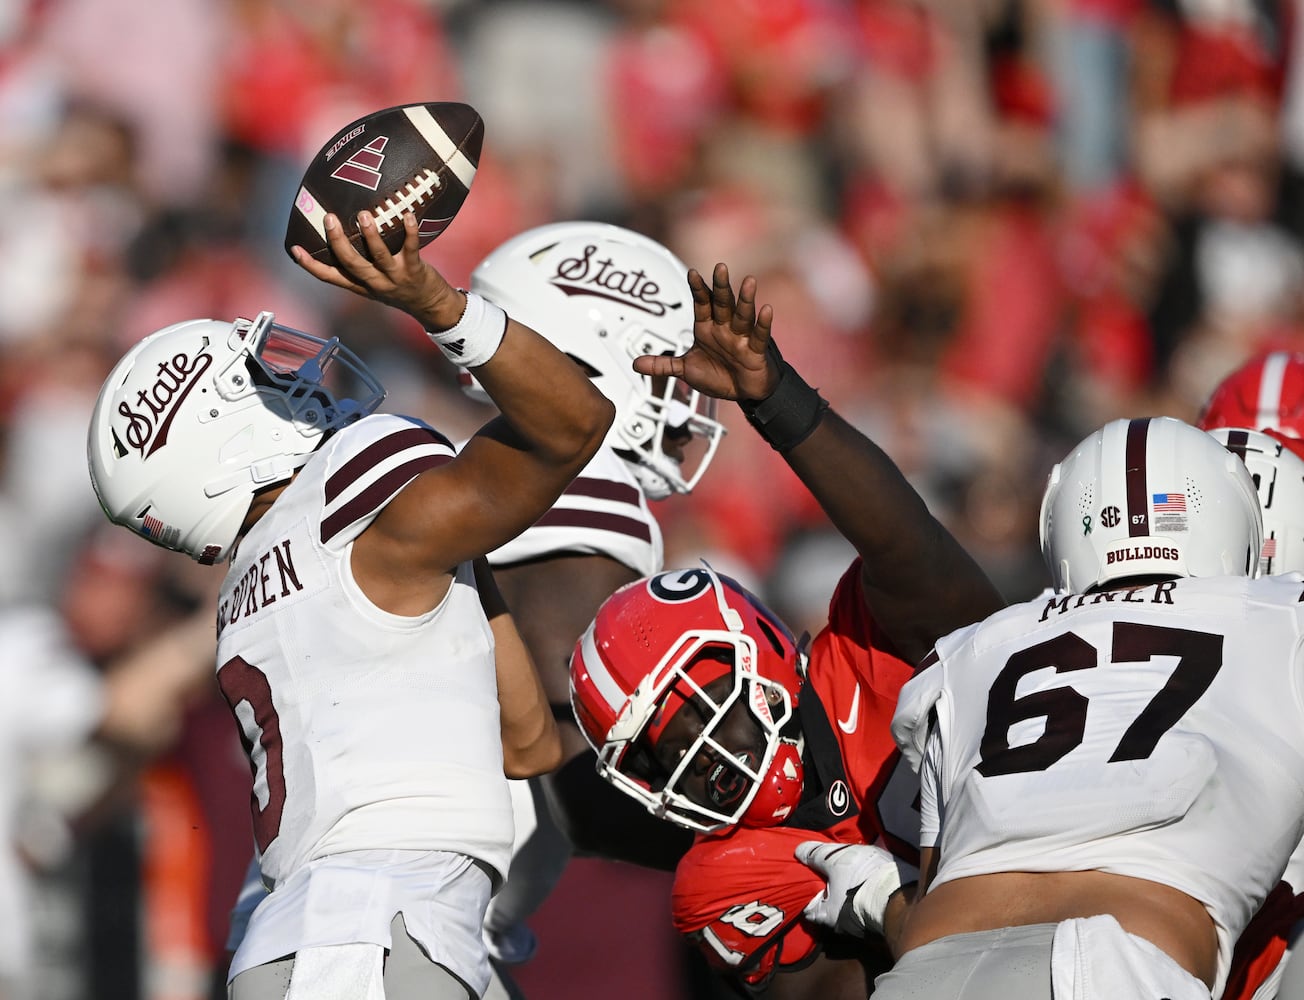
column 374, row 496
column 603, row 489
column 595, row 519
column 1237, row 442
column 1138, row 509
column 377, row 452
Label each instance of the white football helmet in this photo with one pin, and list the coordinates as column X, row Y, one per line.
column 1149, row 497
column 1279, row 475
column 201, row 415
column 606, row 295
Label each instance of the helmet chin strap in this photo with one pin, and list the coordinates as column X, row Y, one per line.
column 654, row 485
column 262, row 473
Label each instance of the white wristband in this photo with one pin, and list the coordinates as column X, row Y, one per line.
column 476, row 336
column 870, row 901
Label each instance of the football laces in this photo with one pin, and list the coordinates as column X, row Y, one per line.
column 408, row 198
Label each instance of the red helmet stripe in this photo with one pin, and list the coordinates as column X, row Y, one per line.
column 600, row 676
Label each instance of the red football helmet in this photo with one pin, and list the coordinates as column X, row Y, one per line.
column 1265, row 394
column 685, row 684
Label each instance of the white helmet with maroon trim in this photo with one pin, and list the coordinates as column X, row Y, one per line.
column 605, row 295
column 1278, row 474
column 201, row 415
column 1149, row 497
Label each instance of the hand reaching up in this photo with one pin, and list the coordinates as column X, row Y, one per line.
column 729, row 357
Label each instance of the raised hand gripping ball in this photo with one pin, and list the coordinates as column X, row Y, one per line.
column 420, row 158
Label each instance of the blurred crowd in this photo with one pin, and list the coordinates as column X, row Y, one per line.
column 986, row 227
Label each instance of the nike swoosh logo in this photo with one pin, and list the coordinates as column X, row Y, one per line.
column 853, row 717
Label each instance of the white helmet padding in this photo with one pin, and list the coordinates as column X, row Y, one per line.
column 1149, row 497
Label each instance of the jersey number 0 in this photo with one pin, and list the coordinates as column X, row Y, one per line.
column 241, row 682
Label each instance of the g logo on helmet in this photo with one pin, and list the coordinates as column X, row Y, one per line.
column 680, row 585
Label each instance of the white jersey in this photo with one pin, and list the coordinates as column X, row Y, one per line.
column 1155, row 733
column 366, row 730
column 602, row 512
column 51, row 700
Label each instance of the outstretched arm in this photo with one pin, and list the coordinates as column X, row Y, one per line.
column 919, row 581
column 551, row 421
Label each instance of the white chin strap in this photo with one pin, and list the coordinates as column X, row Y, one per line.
column 654, row 485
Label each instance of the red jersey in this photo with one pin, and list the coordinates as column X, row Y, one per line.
column 1261, row 948
column 740, row 894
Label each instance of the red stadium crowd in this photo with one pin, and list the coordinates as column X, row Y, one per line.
column 985, row 229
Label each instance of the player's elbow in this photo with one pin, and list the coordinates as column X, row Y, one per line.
column 606, row 416
column 588, row 430
column 583, row 434
column 532, row 759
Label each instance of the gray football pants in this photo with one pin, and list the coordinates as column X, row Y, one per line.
column 1292, row 980
column 986, row 965
column 409, row 975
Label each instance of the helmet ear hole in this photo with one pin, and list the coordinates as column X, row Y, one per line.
column 770, row 635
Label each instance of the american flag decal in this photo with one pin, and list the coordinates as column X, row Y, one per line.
column 1171, row 502
column 153, row 527
column 1269, row 548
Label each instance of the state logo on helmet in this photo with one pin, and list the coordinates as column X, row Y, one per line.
column 686, row 685
column 604, row 296
column 1264, row 394
column 1145, row 498
column 199, row 416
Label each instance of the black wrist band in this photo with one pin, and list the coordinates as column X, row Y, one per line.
column 789, row 415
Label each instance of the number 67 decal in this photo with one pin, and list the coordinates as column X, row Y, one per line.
column 1199, row 658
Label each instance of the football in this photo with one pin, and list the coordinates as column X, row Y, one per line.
column 416, row 157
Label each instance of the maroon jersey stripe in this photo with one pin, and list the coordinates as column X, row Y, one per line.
column 371, row 499
column 604, row 489
column 595, row 519
column 1138, row 509
column 372, row 455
